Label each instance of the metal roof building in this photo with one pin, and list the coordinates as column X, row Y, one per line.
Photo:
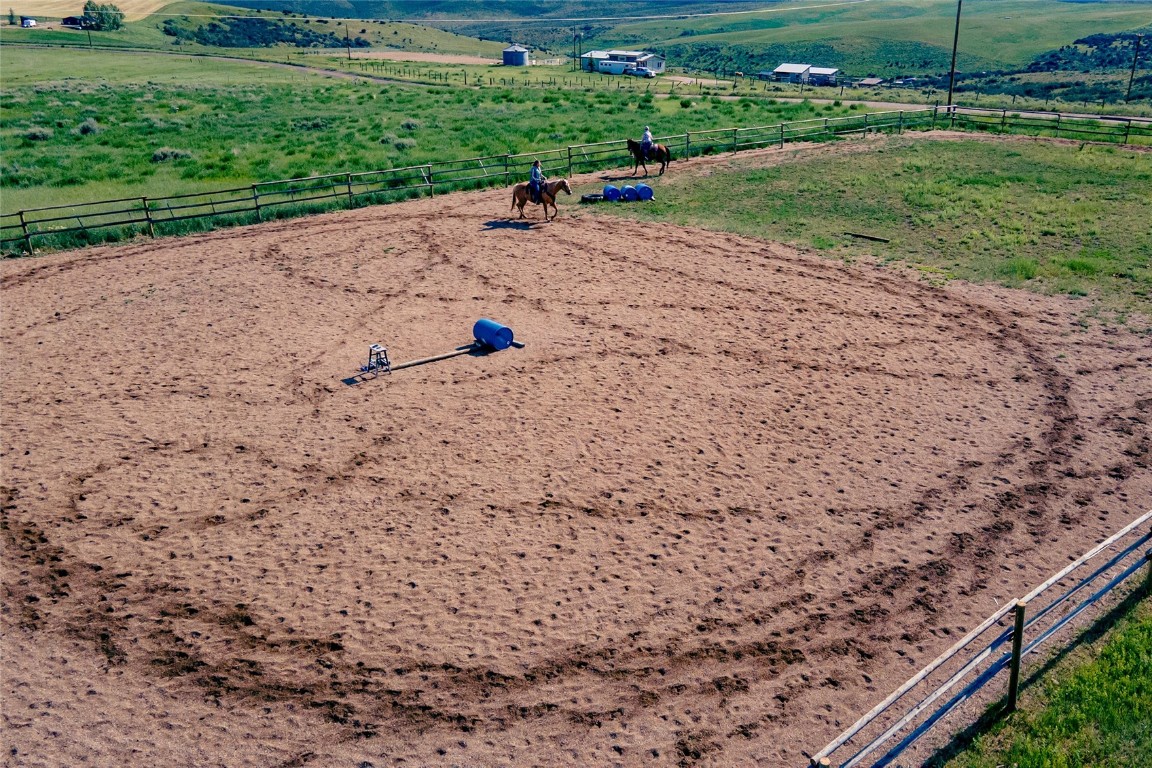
column 515, row 56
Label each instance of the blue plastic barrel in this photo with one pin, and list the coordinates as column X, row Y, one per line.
column 611, row 193
column 492, row 334
column 629, row 193
column 644, row 192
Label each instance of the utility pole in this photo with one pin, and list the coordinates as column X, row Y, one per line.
column 955, row 42
column 1135, row 55
column 347, row 41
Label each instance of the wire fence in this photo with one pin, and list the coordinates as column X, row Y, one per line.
column 66, row 226
column 893, row 726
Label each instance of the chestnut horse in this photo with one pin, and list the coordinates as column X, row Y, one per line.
column 520, row 196
column 660, row 153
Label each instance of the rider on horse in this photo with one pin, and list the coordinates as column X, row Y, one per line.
column 646, row 143
column 536, row 181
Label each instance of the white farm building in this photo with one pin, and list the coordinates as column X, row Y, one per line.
column 615, row 62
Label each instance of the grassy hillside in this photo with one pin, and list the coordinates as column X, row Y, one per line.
column 58, row 9
column 174, row 28
column 888, row 38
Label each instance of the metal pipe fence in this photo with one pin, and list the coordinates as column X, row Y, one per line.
column 954, row 677
column 109, row 220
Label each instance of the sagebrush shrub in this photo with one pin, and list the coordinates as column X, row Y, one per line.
column 88, row 128
column 164, row 154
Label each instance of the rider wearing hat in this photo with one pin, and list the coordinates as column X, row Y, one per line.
column 646, row 142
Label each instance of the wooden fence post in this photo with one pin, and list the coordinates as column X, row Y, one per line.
column 148, row 216
column 865, row 125
column 1003, row 120
column 569, row 162
column 256, row 202
column 1148, row 576
column 1127, row 129
column 1017, row 643
column 900, row 125
column 431, row 185
column 734, row 140
column 1057, row 125
column 506, row 159
column 687, row 144
column 348, row 182
column 781, row 135
column 27, row 236
column 935, row 109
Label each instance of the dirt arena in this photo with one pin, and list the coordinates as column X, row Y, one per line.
column 725, row 499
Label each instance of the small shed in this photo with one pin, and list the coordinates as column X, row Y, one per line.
column 870, row 82
column 515, row 56
column 76, row 22
column 27, row 21
column 823, row 76
column 792, row 73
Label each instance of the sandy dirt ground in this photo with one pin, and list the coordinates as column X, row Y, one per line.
column 726, row 497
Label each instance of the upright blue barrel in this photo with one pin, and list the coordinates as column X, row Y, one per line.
column 644, row 192
column 629, row 193
column 492, row 334
column 611, row 193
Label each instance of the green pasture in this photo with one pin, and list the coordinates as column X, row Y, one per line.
column 1059, row 219
column 79, row 126
column 885, row 38
column 148, row 33
column 1091, row 710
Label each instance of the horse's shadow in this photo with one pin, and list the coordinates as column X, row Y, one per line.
column 522, row 224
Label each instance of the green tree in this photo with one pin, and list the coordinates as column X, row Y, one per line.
column 12, row 17
column 103, row 16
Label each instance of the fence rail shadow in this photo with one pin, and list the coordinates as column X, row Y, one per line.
column 897, row 723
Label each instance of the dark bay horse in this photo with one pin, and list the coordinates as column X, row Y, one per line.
column 660, row 153
column 521, row 196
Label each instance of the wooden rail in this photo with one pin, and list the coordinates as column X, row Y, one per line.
column 110, row 219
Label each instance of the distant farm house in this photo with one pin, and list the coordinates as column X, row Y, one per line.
column 615, row 62
column 802, row 73
column 823, row 76
column 76, row 22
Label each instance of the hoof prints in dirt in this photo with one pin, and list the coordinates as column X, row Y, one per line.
column 727, row 494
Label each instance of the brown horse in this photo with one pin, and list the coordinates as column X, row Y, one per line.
column 520, row 196
column 660, row 153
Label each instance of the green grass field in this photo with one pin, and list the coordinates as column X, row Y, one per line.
column 1093, row 710
column 148, row 33
column 80, row 126
column 1058, row 219
column 875, row 37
